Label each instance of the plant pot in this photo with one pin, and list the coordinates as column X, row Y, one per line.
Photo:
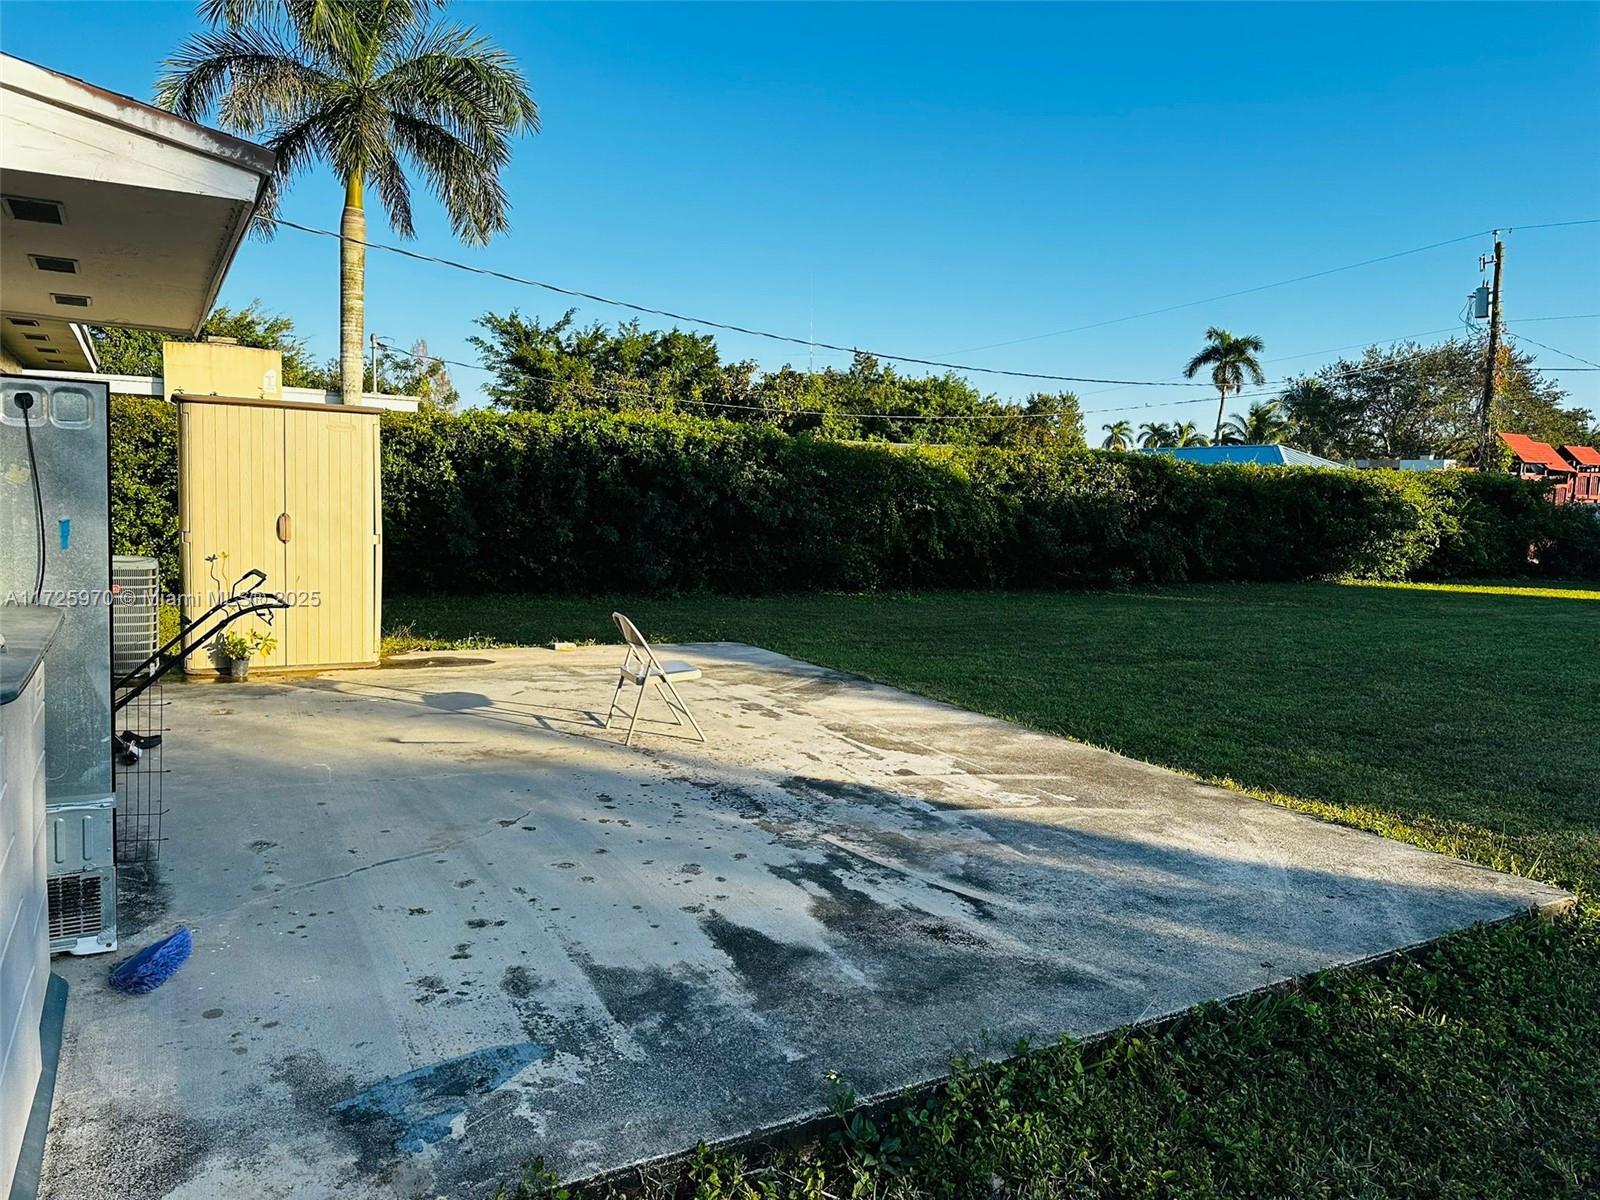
column 236, row 669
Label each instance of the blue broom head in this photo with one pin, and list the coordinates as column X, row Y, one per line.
column 154, row 965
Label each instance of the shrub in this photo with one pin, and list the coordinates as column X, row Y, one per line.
column 591, row 502
column 588, row 502
column 144, row 481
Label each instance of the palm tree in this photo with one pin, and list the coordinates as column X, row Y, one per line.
column 1119, row 435
column 1263, row 424
column 369, row 87
column 1154, row 435
column 1187, row 434
column 1231, row 359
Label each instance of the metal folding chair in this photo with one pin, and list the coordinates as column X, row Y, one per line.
column 645, row 671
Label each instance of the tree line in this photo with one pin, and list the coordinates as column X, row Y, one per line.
column 561, row 366
column 1405, row 401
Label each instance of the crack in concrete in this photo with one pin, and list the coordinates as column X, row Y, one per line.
column 501, row 824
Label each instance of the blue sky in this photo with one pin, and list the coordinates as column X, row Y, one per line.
column 929, row 180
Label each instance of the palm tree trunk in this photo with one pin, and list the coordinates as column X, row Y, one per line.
column 1222, row 403
column 352, row 290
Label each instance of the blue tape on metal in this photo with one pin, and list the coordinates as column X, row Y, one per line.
column 66, row 532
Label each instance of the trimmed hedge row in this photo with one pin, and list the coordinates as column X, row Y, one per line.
column 584, row 503
column 588, row 503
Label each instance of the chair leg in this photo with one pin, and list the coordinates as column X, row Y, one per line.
column 671, row 707
column 634, row 720
column 615, row 692
column 684, row 708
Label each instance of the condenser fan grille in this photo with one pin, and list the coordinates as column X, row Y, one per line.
column 74, row 906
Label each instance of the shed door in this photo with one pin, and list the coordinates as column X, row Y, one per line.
column 229, row 501
column 330, row 494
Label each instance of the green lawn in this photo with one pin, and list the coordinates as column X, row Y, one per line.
column 1464, row 719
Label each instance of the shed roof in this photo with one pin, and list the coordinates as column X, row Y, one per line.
column 1584, row 456
column 1270, row 454
column 1531, row 450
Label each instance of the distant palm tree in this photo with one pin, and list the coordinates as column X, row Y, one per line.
column 1187, row 434
column 1154, row 435
column 1231, row 360
column 367, row 87
column 1119, row 435
column 1264, row 424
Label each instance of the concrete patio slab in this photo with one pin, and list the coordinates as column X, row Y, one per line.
column 445, row 923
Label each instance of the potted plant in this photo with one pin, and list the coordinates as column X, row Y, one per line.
column 233, row 652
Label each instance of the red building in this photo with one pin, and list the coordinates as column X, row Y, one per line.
column 1532, row 459
column 1585, row 461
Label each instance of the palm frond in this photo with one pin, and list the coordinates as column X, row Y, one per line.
column 454, row 78
column 467, row 183
column 393, row 190
column 249, row 75
column 297, row 147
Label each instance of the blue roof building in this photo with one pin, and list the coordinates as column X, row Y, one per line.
column 1268, row 455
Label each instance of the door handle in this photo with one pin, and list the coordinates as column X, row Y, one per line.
column 285, row 527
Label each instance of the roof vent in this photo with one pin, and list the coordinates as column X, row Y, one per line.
column 49, row 262
column 45, row 212
column 28, row 321
column 70, row 301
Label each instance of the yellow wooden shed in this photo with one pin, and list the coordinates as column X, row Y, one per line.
column 295, row 490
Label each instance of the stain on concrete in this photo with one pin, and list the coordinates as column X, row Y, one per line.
column 519, row 982
column 653, row 998
column 143, row 900
column 417, row 1109
column 773, row 971
column 148, row 1150
column 429, row 988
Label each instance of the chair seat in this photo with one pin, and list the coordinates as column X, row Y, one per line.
column 672, row 672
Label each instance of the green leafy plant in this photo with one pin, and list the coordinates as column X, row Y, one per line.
column 236, row 646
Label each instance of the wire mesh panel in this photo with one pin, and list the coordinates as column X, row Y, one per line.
column 140, row 729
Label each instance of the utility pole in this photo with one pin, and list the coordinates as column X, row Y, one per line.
column 375, row 387
column 1494, row 351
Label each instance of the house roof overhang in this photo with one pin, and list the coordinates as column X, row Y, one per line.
column 143, row 210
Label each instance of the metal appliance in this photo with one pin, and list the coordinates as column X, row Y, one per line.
column 82, row 877
column 135, row 611
column 55, row 510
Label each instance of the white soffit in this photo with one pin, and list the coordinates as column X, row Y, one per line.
column 144, row 211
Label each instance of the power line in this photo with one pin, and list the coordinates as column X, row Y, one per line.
column 1594, row 366
column 1554, row 224
column 724, row 325
column 1249, row 291
column 596, row 390
column 1330, row 350
column 602, row 389
column 900, row 358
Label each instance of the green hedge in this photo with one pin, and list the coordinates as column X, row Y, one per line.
column 586, row 502
column 144, row 481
